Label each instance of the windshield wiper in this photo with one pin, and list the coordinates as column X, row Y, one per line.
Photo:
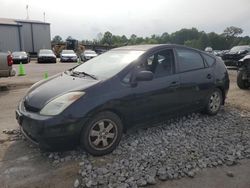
column 76, row 73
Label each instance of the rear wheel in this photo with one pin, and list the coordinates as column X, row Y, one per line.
column 214, row 102
column 102, row 133
column 242, row 84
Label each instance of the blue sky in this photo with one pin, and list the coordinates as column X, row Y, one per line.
column 84, row 19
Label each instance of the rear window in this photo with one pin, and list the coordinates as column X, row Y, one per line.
column 209, row 60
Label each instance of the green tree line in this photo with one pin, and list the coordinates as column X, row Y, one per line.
column 230, row 37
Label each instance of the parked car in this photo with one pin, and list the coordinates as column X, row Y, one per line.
column 6, row 63
column 87, row 55
column 68, row 56
column 46, row 56
column 243, row 76
column 232, row 57
column 20, row 57
column 100, row 51
column 93, row 103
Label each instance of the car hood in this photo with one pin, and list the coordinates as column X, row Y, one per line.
column 68, row 55
column 19, row 56
column 90, row 55
column 46, row 55
column 44, row 91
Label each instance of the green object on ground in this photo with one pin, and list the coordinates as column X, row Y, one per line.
column 79, row 61
column 46, row 75
column 21, row 70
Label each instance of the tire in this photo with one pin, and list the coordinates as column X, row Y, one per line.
column 103, row 129
column 242, row 84
column 214, row 102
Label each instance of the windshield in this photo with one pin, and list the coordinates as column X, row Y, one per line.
column 19, row 53
column 109, row 63
column 240, row 48
column 68, row 52
column 46, row 52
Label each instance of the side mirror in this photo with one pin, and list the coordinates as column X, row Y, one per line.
column 144, row 76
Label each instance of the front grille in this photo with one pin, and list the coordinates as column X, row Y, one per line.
column 30, row 108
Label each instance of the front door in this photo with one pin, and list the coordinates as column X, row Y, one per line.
column 155, row 99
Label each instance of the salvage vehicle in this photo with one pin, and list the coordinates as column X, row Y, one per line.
column 93, row 103
column 68, row 56
column 20, row 57
column 243, row 75
column 46, row 56
column 87, row 55
column 232, row 57
column 6, row 63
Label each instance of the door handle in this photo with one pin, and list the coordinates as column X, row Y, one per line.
column 209, row 76
column 174, row 84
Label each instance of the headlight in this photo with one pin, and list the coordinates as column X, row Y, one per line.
column 57, row 105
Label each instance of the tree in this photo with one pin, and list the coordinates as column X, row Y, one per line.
column 107, row 38
column 232, row 31
column 69, row 38
column 57, row 39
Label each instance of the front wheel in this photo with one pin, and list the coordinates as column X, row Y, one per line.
column 242, row 84
column 214, row 102
column 102, row 134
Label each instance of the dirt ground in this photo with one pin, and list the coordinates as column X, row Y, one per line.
column 22, row 165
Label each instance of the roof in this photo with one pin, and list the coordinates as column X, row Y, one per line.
column 146, row 47
column 7, row 21
column 17, row 22
column 143, row 47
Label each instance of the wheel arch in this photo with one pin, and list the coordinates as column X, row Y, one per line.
column 223, row 94
column 117, row 112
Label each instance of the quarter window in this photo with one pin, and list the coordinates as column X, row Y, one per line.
column 210, row 61
column 189, row 60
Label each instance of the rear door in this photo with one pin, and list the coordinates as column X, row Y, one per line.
column 196, row 78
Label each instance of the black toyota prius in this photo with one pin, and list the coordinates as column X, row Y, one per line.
column 93, row 103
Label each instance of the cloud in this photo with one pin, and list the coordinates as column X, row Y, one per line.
column 85, row 19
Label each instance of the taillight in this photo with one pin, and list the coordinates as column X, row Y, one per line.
column 9, row 60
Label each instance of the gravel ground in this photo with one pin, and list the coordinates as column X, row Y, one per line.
column 172, row 150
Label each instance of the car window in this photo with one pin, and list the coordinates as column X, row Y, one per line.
column 189, row 60
column 160, row 63
column 210, row 60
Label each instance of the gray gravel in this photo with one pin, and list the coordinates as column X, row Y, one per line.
column 175, row 149
column 172, row 150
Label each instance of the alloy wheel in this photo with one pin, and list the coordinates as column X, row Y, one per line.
column 215, row 102
column 103, row 134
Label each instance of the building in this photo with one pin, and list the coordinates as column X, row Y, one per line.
column 24, row 35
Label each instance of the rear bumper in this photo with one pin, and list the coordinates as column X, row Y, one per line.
column 8, row 73
column 50, row 133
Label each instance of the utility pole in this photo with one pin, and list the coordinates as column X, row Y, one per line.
column 27, row 12
column 43, row 16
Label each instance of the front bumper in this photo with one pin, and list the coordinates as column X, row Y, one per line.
column 49, row 132
column 46, row 59
column 68, row 59
column 17, row 61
